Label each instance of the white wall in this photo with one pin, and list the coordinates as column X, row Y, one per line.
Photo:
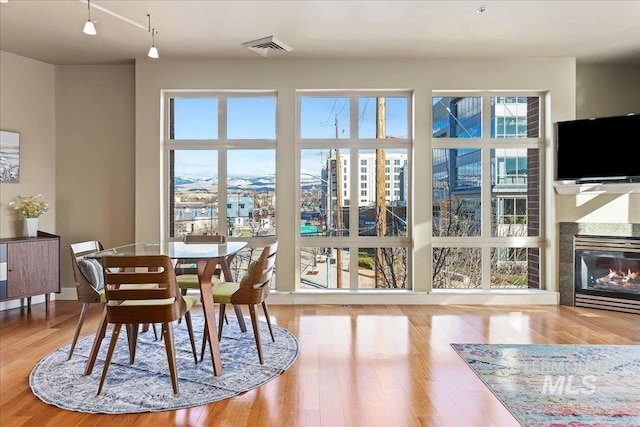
column 95, row 117
column 27, row 106
column 607, row 90
column 603, row 91
column 556, row 77
column 81, row 126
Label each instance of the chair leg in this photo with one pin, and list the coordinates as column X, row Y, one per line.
column 83, row 311
column 266, row 314
column 220, row 317
column 238, row 309
column 256, row 331
column 187, row 318
column 183, row 291
column 107, row 362
column 155, row 331
column 167, row 332
column 204, row 340
column 132, row 336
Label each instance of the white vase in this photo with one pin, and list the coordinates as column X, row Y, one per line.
column 31, row 227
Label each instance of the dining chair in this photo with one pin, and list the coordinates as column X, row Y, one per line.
column 87, row 274
column 252, row 289
column 187, row 271
column 133, row 306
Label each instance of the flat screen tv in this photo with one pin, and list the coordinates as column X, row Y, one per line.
column 598, row 150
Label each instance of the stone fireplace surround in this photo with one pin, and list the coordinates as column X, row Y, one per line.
column 566, row 254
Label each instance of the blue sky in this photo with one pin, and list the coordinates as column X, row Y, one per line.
column 255, row 118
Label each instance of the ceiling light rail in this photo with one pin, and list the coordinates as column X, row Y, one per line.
column 153, row 51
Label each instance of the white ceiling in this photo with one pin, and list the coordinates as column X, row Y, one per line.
column 591, row 31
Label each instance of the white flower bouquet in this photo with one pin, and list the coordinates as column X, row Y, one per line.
column 30, row 206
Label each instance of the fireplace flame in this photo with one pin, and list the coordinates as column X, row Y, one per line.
column 620, row 278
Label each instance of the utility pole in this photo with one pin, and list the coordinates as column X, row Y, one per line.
column 338, row 209
column 381, row 199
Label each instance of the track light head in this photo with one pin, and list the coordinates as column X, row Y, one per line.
column 153, row 52
column 89, row 28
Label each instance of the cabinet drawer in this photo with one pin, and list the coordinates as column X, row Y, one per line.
column 29, row 266
column 32, row 268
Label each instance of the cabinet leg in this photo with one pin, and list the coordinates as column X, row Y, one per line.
column 28, row 304
column 46, row 302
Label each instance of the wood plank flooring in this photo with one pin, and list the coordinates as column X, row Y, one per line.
column 360, row 365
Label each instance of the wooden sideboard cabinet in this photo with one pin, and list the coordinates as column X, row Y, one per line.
column 29, row 266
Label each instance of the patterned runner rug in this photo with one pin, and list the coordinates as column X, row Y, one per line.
column 145, row 386
column 561, row 384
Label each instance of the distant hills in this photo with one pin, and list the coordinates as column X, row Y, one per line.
column 258, row 184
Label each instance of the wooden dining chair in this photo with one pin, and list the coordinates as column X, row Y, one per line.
column 187, row 270
column 134, row 306
column 253, row 289
column 87, row 274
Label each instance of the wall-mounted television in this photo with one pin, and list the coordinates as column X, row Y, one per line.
column 598, row 150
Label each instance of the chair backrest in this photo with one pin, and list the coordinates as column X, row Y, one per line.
column 143, row 305
column 255, row 284
column 188, row 266
column 197, row 238
column 87, row 273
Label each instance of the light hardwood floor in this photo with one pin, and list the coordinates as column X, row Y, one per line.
column 360, row 365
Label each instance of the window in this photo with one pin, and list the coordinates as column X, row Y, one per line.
column 457, row 117
column 207, row 162
column 342, row 138
column 505, row 212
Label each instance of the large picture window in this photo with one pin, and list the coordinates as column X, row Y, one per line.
column 354, row 151
column 220, row 164
column 486, row 190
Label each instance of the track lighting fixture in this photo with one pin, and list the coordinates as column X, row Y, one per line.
column 89, row 28
column 153, row 52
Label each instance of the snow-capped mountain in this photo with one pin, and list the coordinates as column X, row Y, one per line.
column 259, row 184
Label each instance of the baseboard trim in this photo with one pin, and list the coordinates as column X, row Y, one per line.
column 471, row 297
column 419, row 298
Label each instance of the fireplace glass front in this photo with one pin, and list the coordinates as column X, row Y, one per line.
column 607, row 266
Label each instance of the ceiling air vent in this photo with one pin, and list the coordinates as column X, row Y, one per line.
column 267, row 45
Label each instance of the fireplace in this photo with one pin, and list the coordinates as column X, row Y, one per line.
column 607, row 272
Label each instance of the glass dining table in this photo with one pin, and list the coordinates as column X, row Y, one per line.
column 207, row 256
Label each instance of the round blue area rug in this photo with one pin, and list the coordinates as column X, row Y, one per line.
column 145, row 386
